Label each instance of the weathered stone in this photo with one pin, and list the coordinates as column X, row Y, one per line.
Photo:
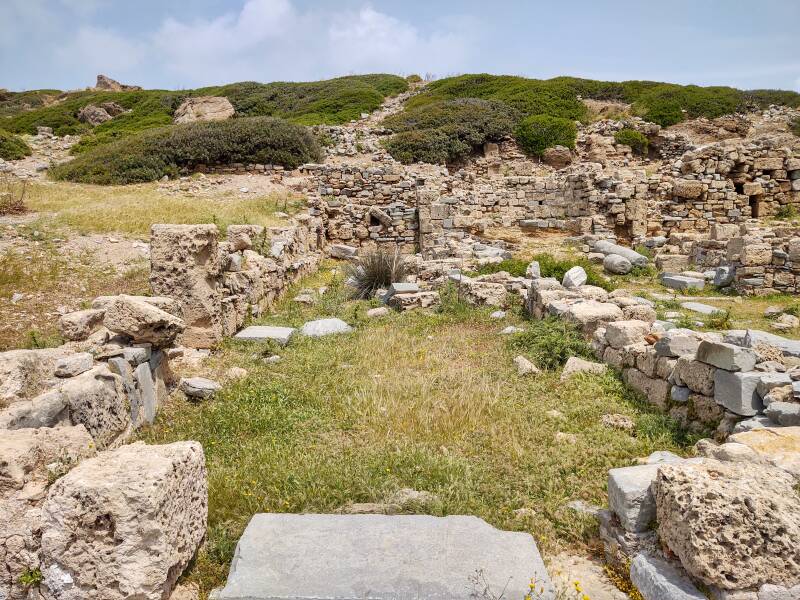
column 185, row 265
column 733, row 525
column 784, row 413
column 380, row 311
column 655, row 390
column 526, row 367
column 400, row 288
column 608, row 248
column 261, row 333
column 287, row 556
column 772, row 381
column 575, row 365
column 142, row 322
column 590, row 315
column 737, row 392
column 323, row 327
column 147, row 392
column 203, row 108
column 630, row 497
column 677, row 342
column 125, row 524
column 681, row 282
column 623, row 333
column 74, row 364
column 342, row 251
column 780, row 446
column 688, row 188
column 25, row 374
column 199, row 387
column 726, row 356
column 574, row 277
column 697, row 376
column 81, row 324
column 700, row 308
column 657, row 579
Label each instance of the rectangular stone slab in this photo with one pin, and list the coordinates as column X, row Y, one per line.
column 381, row 557
column 260, row 333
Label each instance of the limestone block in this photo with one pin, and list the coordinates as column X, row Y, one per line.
column 737, row 391
column 656, row 391
column 185, row 265
column 590, row 315
column 623, row 333
column 630, row 496
column 697, row 376
column 25, row 374
column 656, row 579
column 323, row 327
column 575, row 365
column 142, row 322
column 726, row 356
column 780, row 446
column 688, row 188
column 125, row 524
column 80, row 324
column 754, row 255
column 733, row 525
column 260, row 333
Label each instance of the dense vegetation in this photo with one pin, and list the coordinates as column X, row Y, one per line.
column 537, row 133
column 13, row 102
column 635, row 139
column 13, row 147
column 662, row 103
column 333, row 101
column 150, row 155
column 795, row 126
column 448, row 131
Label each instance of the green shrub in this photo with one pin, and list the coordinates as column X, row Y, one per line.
column 551, row 342
column 794, row 126
column 375, row 270
column 665, row 103
column 449, row 131
column 787, row 212
column 537, row 133
column 413, row 78
column 635, row 139
column 152, row 154
column 13, row 147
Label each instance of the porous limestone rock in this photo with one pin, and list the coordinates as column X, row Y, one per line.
column 25, row 374
column 125, row 524
column 80, row 324
column 590, row 315
column 525, row 367
column 732, row 525
column 779, row 446
column 185, row 265
column 204, row 108
column 575, row 365
column 141, row 321
column 623, row 333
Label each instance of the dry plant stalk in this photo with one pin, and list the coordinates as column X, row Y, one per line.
column 12, row 196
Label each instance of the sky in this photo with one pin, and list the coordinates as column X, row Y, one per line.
column 180, row 44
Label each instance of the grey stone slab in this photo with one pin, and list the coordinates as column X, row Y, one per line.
column 608, row 248
column 147, row 391
column 788, row 347
column 702, row 309
column 677, row 342
column 74, row 364
column 199, row 387
column 737, row 392
column 770, row 381
column 400, row 288
column 630, row 496
column 786, row 414
column 122, row 367
column 323, row 327
column 681, row 282
column 723, row 276
column 262, row 333
column 657, row 579
column 726, row 356
column 381, row 557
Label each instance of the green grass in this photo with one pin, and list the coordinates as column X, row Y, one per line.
column 333, row 101
column 428, row 400
column 150, row 155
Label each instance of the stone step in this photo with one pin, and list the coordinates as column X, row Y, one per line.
column 382, row 557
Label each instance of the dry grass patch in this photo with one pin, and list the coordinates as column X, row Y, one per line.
column 423, row 400
column 133, row 209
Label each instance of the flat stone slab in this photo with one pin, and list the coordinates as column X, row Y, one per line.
column 262, row 333
column 381, row 557
column 700, row 308
column 681, row 282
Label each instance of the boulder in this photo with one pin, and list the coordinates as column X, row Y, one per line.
column 737, row 392
column 526, row 367
column 125, row 524
column 93, row 115
column 609, row 248
column 80, row 324
column 185, row 265
column 380, row 311
column 574, row 277
column 732, row 525
column 616, row 264
column 141, row 321
column 779, row 446
column 105, row 83
column 323, row 327
column 534, row 271
column 203, row 108
column 557, row 157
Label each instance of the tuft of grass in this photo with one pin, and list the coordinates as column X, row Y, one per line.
column 31, row 577
column 551, row 342
column 374, row 270
column 787, row 212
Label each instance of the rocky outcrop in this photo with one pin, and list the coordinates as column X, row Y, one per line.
column 124, row 524
column 106, row 84
column 733, row 525
column 204, row 108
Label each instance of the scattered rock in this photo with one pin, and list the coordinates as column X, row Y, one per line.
column 616, row 264
column 199, row 387
column 74, row 364
column 141, row 321
column 323, row 327
column 574, row 278
column 575, row 365
column 525, row 367
column 374, row 313
column 616, row 421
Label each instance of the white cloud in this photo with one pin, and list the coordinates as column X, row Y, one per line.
column 94, row 50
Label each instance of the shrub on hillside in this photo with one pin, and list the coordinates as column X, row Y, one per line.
column 551, row 342
column 635, row 139
column 794, row 126
column 13, row 147
column 537, row 133
column 668, row 104
column 152, row 154
column 413, row 78
column 449, row 131
column 375, row 270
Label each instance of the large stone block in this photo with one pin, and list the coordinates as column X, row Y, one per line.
column 779, row 446
column 682, row 282
column 80, row 324
column 185, row 265
column 657, row 391
column 25, row 374
column 590, row 315
column 261, row 333
column 297, row 557
column 623, row 333
column 125, row 524
column 733, row 525
column 141, row 321
column 657, row 579
column 726, row 356
column 737, row 392
column 630, row 496
column 697, row 376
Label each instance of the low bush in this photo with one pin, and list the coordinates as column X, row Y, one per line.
column 448, row 132
column 787, row 212
column 375, row 270
column 13, row 147
column 635, row 139
column 413, row 78
column 537, row 133
column 794, row 126
column 12, row 196
column 551, row 342
column 152, row 154
column 550, row 266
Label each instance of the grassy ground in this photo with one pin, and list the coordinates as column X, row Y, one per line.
column 121, row 209
column 424, row 400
